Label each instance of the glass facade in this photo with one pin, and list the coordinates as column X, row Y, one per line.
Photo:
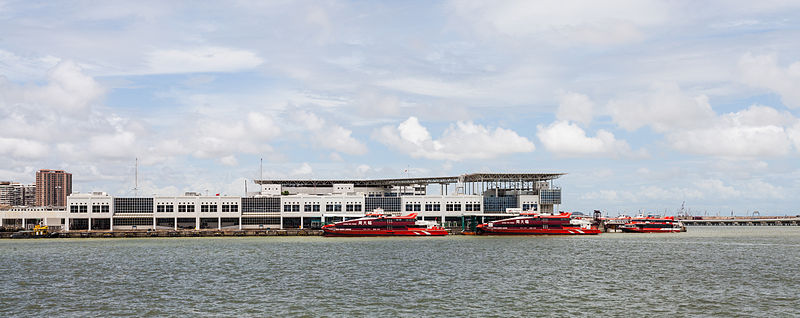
column 550, row 196
column 260, row 205
column 391, row 204
column 133, row 205
column 499, row 204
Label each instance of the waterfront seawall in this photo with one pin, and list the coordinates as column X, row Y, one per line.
column 163, row 233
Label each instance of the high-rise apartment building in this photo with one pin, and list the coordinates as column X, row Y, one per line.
column 9, row 193
column 28, row 195
column 53, row 187
column 16, row 194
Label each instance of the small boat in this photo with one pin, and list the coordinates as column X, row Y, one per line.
column 538, row 224
column 653, row 224
column 384, row 225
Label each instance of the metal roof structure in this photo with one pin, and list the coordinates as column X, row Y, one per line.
column 472, row 177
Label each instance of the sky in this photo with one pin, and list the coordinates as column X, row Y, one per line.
column 644, row 104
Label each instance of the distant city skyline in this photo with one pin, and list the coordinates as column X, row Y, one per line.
column 644, row 104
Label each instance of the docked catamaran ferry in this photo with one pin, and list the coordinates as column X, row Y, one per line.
column 378, row 224
column 653, row 224
column 538, row 224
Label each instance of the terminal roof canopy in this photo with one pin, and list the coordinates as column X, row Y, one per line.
column 473, row 177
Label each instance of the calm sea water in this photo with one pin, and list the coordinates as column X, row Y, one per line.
column 715, row 271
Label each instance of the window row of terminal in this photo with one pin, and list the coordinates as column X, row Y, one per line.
column 282, row 204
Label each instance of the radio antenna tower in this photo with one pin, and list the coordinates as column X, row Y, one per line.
column 136, row 178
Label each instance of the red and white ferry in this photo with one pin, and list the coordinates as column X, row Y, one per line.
column 538, row 224
column 653, row 224
column 378, row 224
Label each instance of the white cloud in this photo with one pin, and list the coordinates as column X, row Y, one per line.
column 302, row 170
column 25, row 67
column 464, row 140
column 22, row 148
column 717, row 188
column 329, row 136
column 755, row 132
column 203, row 59
column 569, row 140
column 229, row 160
column 262, row 126
column 794, row 135
column 571, row 22
column 118, row 145
column 433, row 87
column 763, row 71
column 664, row 108
column 575, row 107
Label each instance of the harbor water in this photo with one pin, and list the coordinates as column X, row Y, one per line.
column 707, row 271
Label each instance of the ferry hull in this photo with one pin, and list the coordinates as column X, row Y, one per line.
column 405, row 232
column 653, row 230
column 563, row 231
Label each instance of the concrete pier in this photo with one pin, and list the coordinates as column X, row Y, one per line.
column 738, row 221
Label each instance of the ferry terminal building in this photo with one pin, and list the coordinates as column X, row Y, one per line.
column 464, row 201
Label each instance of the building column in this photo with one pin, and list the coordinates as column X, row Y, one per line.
column 197, row 223
column 154, row 223
column 176, row 223
column 23, row 222
column 240, row 222
column 301, row 221
column 90, row 225
column 66, row 224
column 281, row 221
column 219, row 223
column 111, row 223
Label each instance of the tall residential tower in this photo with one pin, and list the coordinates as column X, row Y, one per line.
column 53, row 187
